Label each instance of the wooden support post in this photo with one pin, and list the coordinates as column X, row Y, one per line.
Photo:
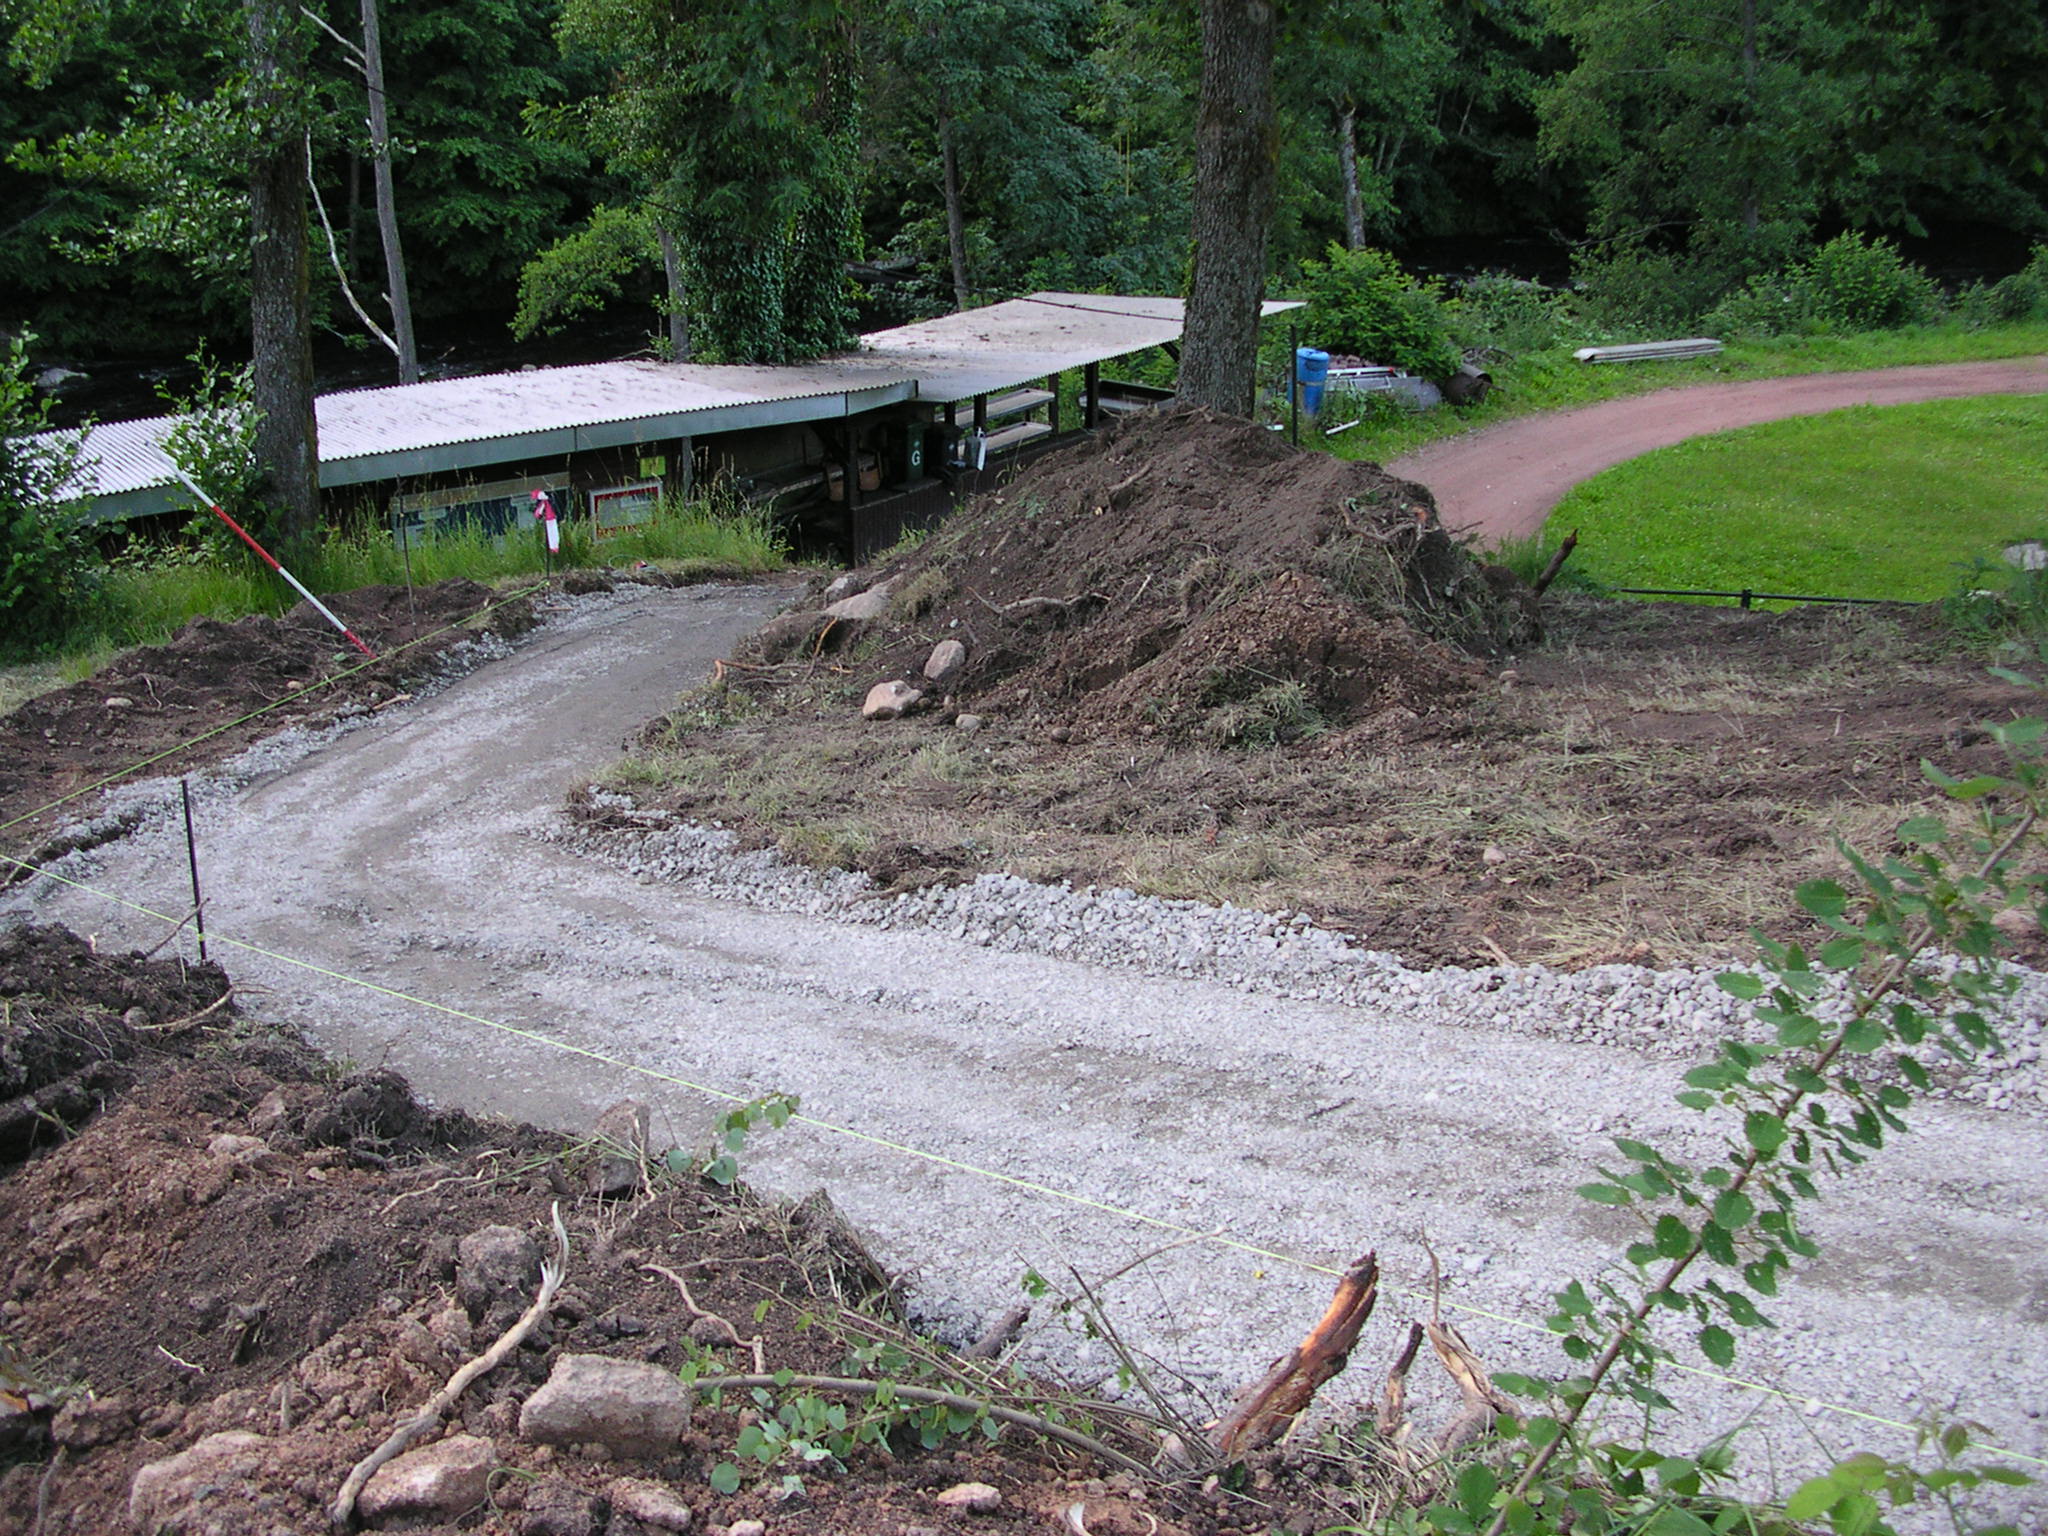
column 981, row 413
column 1091, row 405
column 1052, row 412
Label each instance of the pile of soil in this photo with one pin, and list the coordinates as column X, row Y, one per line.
column 297, row 669
column 232, row 1237
column 1196, row 577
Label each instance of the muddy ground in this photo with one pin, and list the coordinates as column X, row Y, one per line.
column 1267, row 677
column 215, row 1230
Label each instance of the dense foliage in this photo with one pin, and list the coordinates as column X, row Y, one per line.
column 733, row 169
column 45, row 564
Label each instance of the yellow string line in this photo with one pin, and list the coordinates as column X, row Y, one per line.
column 941, row 1160
column 310, row 688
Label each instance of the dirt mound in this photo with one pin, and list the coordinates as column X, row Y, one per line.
column 209, row 1267
column 156, row 699
column 1196, row 576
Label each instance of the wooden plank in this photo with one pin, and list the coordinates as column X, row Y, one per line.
column 1016, row 434
column 1017, row 402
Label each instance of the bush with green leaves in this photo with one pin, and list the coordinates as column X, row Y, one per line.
column 214, row 443
column 1634, row 291
column 1362, row 303
column 1858, row 284
column 1511, row 314
column 1909, row 972
column 48, row 571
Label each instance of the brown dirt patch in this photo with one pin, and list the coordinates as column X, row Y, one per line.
column 1234, row 715
column 1195, row 577
column 233, row 1236
column 156, row 699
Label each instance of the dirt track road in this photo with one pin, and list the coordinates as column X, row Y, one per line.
column 402, row 854
column 1502, row 482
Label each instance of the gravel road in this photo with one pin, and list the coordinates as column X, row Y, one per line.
column 1215, row 1072
column 1502, row 482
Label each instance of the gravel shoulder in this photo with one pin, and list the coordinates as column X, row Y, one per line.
column 1502, row 482
column 1217, row 1082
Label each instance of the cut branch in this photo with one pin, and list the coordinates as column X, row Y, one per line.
column 1265, row 1411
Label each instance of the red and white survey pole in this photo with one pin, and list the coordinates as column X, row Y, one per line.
column 551, row 527
column 271, row 560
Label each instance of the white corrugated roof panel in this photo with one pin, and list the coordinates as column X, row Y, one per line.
column 983, row 351
column 370, row 434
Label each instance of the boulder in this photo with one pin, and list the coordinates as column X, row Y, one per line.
column 629, row 1407
column 871, row 604
column 945, row 664
column 497, row 1273
column 848, row 584
column 182, row 1493
column 622, row 1130
column 975, row 1498
column 557, row 1509
column 441, row 1481
column 652, row 1504
column 889, row 701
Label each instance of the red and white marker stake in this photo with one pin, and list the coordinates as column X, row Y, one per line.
column 544, row 509
column 271, row 560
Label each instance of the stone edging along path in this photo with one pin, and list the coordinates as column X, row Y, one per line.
column 1502, row 481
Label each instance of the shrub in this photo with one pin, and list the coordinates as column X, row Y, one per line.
column 1866, row 285
column 214, row 443
column 1362, row 302
column 1774, row 304
column 1632, row 290
column 2024, row 295
column 47, row 570
column 1494, row 310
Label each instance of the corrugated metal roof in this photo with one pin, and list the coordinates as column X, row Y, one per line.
column 998, row 347
column 372, row 434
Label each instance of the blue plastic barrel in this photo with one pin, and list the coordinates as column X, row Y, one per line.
column 1311, row 368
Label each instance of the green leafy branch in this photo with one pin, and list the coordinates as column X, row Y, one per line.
column 1802, row 1101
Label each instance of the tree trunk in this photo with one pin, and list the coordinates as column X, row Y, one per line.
column 678, row 343
column 280, row 308
column 1347, row 167
column 399, row 295
column 1234, row 167
column 956, row 218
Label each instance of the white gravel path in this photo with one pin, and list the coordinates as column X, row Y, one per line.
column 1228, row 1070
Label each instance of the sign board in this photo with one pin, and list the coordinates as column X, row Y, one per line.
column 618, row 508
column 494, row 509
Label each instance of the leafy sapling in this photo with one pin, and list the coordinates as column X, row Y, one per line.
column 1910, row 968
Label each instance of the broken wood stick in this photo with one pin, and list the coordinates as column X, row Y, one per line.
column 1393, row 1414
column 1557, row 560
column 1483, row 1401
column 1264, row 1411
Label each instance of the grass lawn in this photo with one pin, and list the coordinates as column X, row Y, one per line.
column 1867, row 502
column 1555, row 381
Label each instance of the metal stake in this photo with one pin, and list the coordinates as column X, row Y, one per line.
column 1294, row 384
column 403, row 533
column 192, row 860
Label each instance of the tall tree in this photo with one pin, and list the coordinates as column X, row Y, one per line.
column 1702, row 121
column 1235, row 154
column 280, row 291
column 734, row 134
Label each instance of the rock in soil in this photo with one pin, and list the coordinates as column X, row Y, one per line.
column 631, row 1408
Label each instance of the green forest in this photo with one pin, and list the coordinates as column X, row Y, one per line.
column 761, row 179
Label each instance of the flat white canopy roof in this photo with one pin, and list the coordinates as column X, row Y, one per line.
column 499, row 418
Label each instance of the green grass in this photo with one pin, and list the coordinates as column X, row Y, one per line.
column 1553, row 380
column 1867, row 502
column 144, row 601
